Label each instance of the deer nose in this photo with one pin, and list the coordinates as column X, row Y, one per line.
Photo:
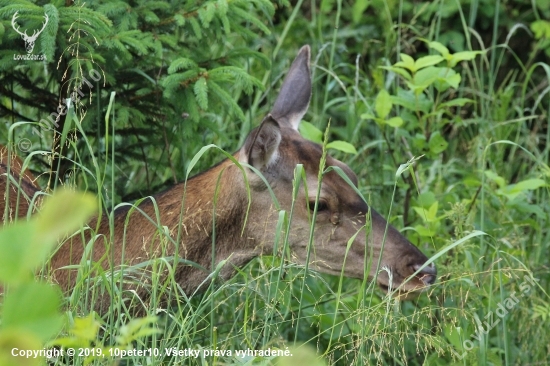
column 427, row 274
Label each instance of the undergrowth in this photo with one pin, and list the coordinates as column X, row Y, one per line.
column 446, row 86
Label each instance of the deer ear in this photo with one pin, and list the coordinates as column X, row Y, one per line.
column 262, row 144
column 293, row 99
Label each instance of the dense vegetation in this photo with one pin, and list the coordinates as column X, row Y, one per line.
column 459, row 89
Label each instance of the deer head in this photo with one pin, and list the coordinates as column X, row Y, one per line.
column 29, row 40
column 275, row 148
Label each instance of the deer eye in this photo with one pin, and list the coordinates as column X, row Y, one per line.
column 321, row 206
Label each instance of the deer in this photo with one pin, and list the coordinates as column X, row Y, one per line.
column 19, row 191
column 29, row 40
column 226, row 215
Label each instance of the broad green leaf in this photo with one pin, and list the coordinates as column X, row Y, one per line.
column 453, row 334
column 444, row 51
column 136, row 329
column 426, row 61
column 529, row 184
column 426, row 199
column 18, row 260
column 86, row 328
column 429, row 214
column 21, row 340
column 33, row 307
column 458, row 102
column 541, row 28
column 419, row 141
column 367, row 116
column 424, row 231
column 446, row 78
column 327, row 6
column 395, row 122
column 513, row 190
column 521, row 205
column 358, row 8
column 310, row 132
column 383, row 104
column 407, row 165
column 427, row 76
column 84, row 331
column 398, row 71
column 437, row 143
column 495, row 178
column 63, row 213
column 417, row 89
column 463, row 56
column 342, row 146
column 407, row 62
column 453, row 80
column 26, row 245
column 432, row 212
column 409, row 100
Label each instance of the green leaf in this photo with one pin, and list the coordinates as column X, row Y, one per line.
column 395, row 122
column 19, row 339
column 18, row 260
column 452, row 333
column 529, row 184
column 417, row 89
column 136, row 329
column 541, row 29
column 463, row 56
column 358, row 9
column 444, row 51
column 406, row 61
column 513, row 190
column 342, row 146
column 63, row 213
column 453, row 80
column 458, row 102
column 441, row 77
column 426, row 77
column 398, row 71
column 432, row 212
column 33, row 307
column 437, row 143
column 429, row 214
column 424, row 231
column 407, row 165
column 367, row 116
column 383, row 104
column 310, row 132
column 495, row 178
column 426, row 199
column 407, row 99
column 26, row 245
column 426, row 61
column 86, row 328
column 84, row 332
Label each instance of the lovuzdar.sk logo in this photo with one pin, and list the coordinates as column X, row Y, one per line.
column 29, row 40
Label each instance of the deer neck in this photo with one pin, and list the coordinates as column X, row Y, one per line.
column 213, row 209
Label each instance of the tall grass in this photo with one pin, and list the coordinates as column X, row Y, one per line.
column 495, row 145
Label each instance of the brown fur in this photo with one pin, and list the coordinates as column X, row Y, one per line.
column 22, row 186
column 245, row 229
